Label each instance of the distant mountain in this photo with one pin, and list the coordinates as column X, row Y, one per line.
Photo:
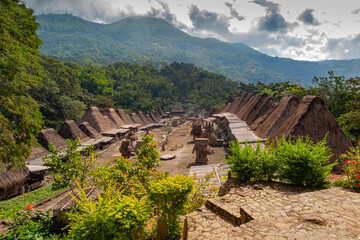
column 150, row 40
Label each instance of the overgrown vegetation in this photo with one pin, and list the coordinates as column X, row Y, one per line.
column 9, row 208
column 33, row 224
column 72, row 167
column 20, row 118
column 351, row 169
column 69, row 88
column 299, row 162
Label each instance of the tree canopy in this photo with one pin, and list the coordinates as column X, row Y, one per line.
column 20, row 118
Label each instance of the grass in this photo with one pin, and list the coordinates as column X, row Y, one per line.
column 9, row 208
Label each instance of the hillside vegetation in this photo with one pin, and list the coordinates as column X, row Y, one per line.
column 147, row 40
column 69, row 88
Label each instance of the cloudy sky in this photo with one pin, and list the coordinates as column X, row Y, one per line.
column 299, row 29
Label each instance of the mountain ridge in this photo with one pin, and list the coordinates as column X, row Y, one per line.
column 152, row 40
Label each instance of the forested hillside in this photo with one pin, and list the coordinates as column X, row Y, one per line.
column 69, row 88
column 147, row 40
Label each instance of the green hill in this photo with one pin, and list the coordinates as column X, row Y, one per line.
column 147, row 40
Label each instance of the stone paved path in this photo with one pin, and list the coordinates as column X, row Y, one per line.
column 279, row 211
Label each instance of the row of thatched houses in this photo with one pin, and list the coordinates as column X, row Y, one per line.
column 291, row 116
column 94, row 128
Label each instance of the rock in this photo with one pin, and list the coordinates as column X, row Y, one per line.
column 167, row 157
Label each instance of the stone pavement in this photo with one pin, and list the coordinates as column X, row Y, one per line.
column 277, row 211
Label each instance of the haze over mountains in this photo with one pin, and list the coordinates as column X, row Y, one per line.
column 150, row 40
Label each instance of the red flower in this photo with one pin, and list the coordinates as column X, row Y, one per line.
column 30, row 207
column 358, row 176
column 359, row 184
column 346, row 161
column 353, row 162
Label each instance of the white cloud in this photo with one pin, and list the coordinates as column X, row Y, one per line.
column 300, row 29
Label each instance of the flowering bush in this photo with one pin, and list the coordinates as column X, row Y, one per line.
column 351, row 169
column 112, row 216
column 32, row 224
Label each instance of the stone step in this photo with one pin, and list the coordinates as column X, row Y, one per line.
column 205, row 224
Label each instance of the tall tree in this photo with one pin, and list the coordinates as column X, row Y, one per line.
column 20, row 118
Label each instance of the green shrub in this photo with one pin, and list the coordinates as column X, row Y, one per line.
column 170, row 197
column 132, row 177
column 252, row 163
column 71, row 167
column 10, row 207
column 112, row 216
column 304, row 163
column 148, row 156
column 32, row 224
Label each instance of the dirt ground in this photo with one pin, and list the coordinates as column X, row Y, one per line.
column 179, row 143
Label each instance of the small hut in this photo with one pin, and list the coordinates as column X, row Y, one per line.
column 12, row 182
column 114, row 117
column 96, row 120
column 90, row 131
column 69, row 130
column 177, row 109
column 143, row 118
column 49, row 135
column 135, row 118
column 312, row 118
column 126, row 118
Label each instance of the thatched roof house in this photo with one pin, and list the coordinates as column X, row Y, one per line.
column 160, row 112
column 136, row 119
column 12, row 181
column 313, row 119
column 69, row 130
column 278, row 116
column 49, row 135
column 90, row 131
column 126, row 118
column 154, row 118
column 37, row 152
column 96, row 120
column 148, row 116
column 114, row 117
column 177, row 109
column 141, row 115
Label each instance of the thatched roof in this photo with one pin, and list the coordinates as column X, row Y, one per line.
column 244, row 101
column 37, row 152
column 211, row 112
column 226, row 108
column 260, row 108
column 219, row 110
column 150, row 118
column 259, row 121
column 234, row 105
column 160, row 112
column 69, row 130
column 12, row 180
column 158, row 116
column 143, row 118
column 126, row 118
column 114, row 117
column 90, row 131
column 112, row 124
column 281, row 113
column 49, row 135
column 313, row 119
column 153, row 116
column 251, row 106
column 177, row 108
column 96, row 120
column 136, row 119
